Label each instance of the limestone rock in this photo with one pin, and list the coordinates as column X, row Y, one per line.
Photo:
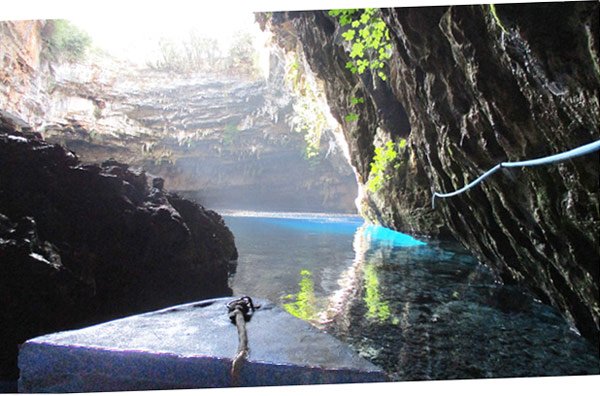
column 479, row 88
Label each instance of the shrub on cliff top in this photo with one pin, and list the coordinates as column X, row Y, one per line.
column 198, row 54
column 64, row 42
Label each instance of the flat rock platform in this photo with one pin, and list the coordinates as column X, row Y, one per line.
column 189, row 346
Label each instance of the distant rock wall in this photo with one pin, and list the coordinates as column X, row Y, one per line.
column 84, row 243
column 224, row 140
column 468, row 89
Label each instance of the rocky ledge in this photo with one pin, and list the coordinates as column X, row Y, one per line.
column 81, row 244
column 468, row 87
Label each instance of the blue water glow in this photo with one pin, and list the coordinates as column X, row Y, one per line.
column 322, row 223
column 386, row 237
column 419, row 310
column 317, row 224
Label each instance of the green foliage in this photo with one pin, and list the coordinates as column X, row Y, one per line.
column 230, row 133
column 309, row 117
column 309, row 122
column 242, row 57
column 385, row 159
column 351, row 117
column 369, row 39
column 203, row 54
column 356, row 101
column 185, row 56
column 303, row 304
column 64, row 42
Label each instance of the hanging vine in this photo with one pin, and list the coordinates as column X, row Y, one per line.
column 368, row 37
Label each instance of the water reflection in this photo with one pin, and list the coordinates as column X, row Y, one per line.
column 431, row 311
column 303, row 304
column 419, row 310
column 366, row 237
column 377, row 308
column 362, row 278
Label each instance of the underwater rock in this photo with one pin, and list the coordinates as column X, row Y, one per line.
column 479, row 86
column 86, row 243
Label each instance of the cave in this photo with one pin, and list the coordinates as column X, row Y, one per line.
column 419, row 181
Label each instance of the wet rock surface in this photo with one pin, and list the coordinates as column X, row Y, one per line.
column 189, row 346
column 85, row 243
column 478, row 89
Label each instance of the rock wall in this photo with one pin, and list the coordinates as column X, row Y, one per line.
column 223, row 140
column 22, row 76
column 80, row 244
column 469, row 88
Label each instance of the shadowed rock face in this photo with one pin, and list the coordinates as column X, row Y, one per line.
column 85, row 243
column 476, row 91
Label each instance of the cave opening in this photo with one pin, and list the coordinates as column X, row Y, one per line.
column 261, row 130
column 219, row 112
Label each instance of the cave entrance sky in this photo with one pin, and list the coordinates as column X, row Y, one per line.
column 131, row 28
column 137, row 40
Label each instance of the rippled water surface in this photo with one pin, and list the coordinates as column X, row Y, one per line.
column 419, row 309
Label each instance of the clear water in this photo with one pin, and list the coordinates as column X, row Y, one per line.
column 420, row 309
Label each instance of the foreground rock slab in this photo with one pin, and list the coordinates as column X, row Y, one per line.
column 188, row 346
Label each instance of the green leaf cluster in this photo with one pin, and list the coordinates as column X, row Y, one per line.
column 356, row 101
column 369, row 38
column 385, row 158
column 65, row 42
column 351, row 117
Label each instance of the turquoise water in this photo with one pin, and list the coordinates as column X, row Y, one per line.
column 420, row 309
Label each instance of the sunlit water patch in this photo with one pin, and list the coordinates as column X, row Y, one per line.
column 420, row 309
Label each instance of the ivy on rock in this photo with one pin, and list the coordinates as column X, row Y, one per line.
column 369, row 38
column 385, row 159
